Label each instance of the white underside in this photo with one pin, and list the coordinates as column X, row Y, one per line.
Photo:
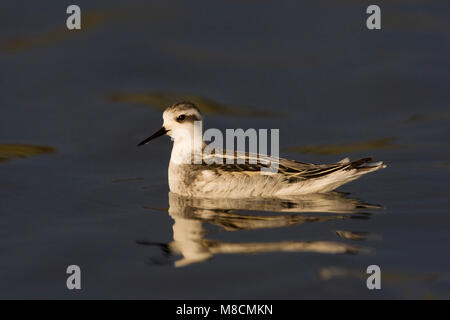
column 207, row 183
column 202, row 181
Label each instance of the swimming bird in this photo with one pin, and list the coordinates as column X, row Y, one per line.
column 192, row 172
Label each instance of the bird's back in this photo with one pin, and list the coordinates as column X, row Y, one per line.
column 241, row 175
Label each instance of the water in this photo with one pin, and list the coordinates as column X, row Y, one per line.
column 87, row 196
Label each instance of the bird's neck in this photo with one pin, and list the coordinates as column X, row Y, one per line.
column 187, row 150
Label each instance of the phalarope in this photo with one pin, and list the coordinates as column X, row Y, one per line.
column 245, row 180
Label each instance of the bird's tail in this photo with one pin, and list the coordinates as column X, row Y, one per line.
column 351, row 170
column 365, row 165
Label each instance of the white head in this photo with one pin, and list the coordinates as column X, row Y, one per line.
column 178, row 123
column 180, row 116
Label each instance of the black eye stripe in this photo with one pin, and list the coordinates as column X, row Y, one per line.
column 187, row 117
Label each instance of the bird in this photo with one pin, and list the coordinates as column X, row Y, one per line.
column 195, row 173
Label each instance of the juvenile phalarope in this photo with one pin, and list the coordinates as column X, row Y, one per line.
column 236, row 180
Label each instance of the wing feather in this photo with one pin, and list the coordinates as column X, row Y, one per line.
column 248, row 163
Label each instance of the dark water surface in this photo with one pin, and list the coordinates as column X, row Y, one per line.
column 75, row 190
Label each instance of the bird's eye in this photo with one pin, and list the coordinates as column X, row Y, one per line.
column 181, row 117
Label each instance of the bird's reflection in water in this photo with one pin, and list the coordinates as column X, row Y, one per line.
column 191, row 215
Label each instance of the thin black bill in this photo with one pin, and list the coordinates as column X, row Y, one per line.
column 157, row 134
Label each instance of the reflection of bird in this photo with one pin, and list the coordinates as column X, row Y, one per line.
column 190, row 215
column 194, row 172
